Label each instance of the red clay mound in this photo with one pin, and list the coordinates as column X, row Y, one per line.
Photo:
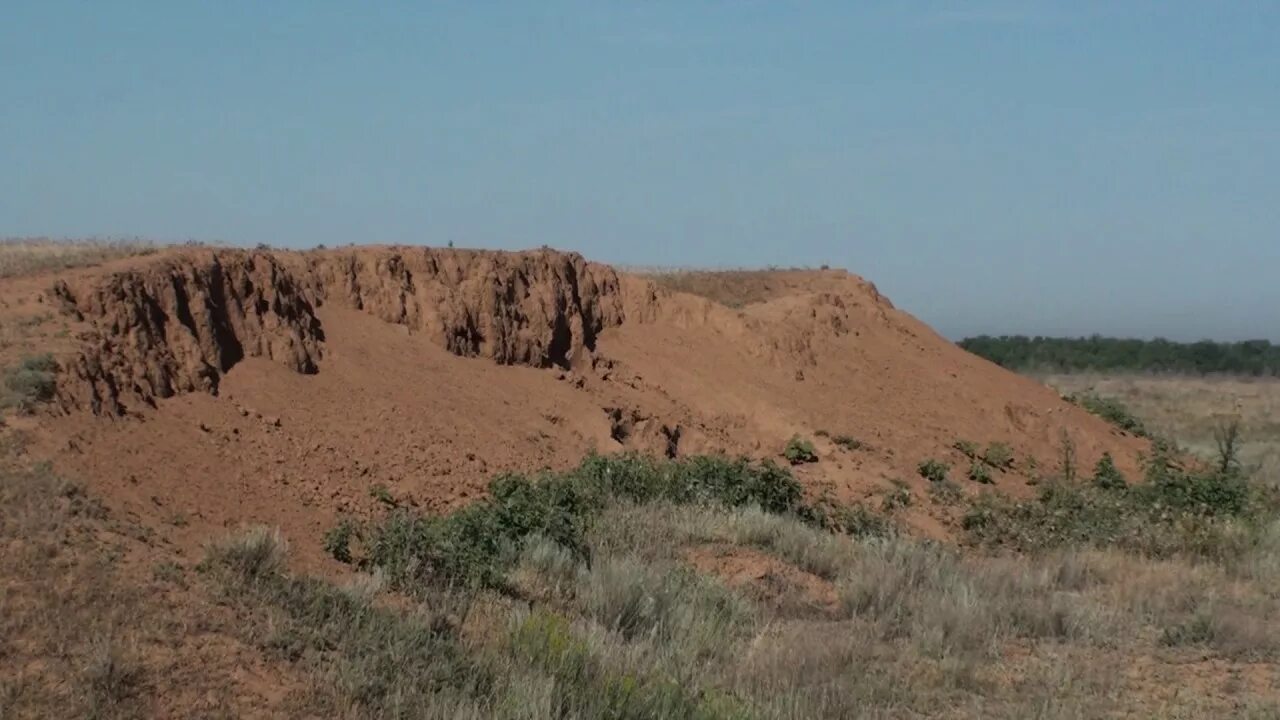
column 216, row 387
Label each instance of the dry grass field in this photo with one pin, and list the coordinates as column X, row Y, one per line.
column 23, row 256
column 1187, row 409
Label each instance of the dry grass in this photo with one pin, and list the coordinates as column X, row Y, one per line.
column 93, row 623
column 26, row 256
column 1188, row 409
column 732, row 288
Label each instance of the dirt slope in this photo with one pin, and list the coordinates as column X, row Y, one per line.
column 203, row 388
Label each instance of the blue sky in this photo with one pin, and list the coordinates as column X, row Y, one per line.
column 994, row 167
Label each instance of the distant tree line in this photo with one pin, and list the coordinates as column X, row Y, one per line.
column 1056, row 354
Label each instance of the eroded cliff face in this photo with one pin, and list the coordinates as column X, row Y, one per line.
column 177, row 323
column 541, row 308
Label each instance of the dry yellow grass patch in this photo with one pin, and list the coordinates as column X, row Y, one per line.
column 24, row 256
column 1187, row 409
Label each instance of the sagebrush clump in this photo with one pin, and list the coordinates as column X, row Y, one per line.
column 799, row 451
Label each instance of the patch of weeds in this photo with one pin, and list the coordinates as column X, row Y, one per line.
column 898, row 497
column 966, row 448
column 377, row 660
column 848, row 442
column 998, row 455
column 1199, row 630
column 945, row 492
column 979, row 473
column 858, row 521
column 1106, row 475
column 380, row 493
column 31, row 382
column 586, row 686
column 799, row 451
column 1111, row 410
column 337, row 541
column 168, row 571
column 933, row 471
column 1174, row 511
column 111, row 676
column 476, row 545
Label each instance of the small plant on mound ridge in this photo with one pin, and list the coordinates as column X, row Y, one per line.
column 800, row 451
column 933, row 471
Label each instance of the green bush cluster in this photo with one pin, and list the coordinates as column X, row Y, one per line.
column 999, row 456
column 799, row 450
column 476, row 545
column 933, row 471
column 967, row 448
column 979, row 473
column 1174, row 510
column 1111, row 410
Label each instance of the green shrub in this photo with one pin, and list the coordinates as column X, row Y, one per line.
column 933, row 471
column 848, row 442
column 476, row 545
column 999, row 456
column 978, row 472
column 945, row 492
column 1106, row 475
column 380, row 493
column 1111, row 410
column 898, row 497
column 799, row 451
column 1173, row 511
column 966, row 448
column 337, row 541
column 32, row 381
column 254, row 554
column 858, row 521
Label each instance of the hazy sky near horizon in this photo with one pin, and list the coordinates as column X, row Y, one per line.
column 1069, row 167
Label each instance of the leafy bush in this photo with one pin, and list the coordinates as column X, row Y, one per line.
column 799, row 451
column 1106, row 475
column 933, row 471
column 998, row 455
column 337, row 541
column 1173, row 511
column 477, row 544
column 978, row 472
column 966, row 448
